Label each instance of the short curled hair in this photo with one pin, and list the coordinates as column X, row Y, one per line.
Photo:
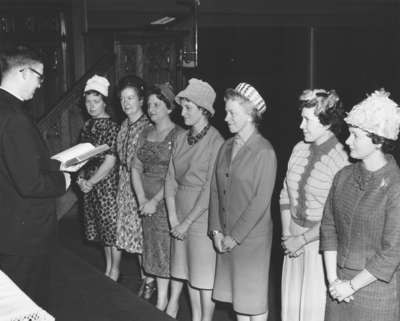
column 232, row 94
column 328, row 107
column 387, row 145
column 96, row 93
column 155, row 90
column 134, row 82
column 205, row 112
column 106, row 100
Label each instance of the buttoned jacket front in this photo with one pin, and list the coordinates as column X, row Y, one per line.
column 241, row 189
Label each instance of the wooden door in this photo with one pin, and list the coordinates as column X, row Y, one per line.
column 153, row 57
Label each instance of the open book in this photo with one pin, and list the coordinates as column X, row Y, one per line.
column 77, row 155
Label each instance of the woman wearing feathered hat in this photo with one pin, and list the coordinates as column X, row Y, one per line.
column 187, row 192
column 360, row 230
column 312, row 165
column 240, row 219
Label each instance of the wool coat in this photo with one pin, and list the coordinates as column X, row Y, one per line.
column 240, row 205
column 29, row 183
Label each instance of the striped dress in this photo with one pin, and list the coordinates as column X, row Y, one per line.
column 307, row 183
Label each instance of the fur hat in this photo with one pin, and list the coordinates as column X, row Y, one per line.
column 377, row 114
column 99, row 84
column 200, row 93
column 252, row 95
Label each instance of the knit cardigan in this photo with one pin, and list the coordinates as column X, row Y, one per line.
column 309, row 176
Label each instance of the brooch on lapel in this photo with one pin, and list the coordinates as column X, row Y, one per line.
column 383, row 183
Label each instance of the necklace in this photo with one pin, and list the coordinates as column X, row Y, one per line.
column 159, row 135
column 129, row 141
column 193, row 139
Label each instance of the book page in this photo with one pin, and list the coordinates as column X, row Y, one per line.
column 87, row 155
column 73, row 168
column 73, row 152
column 72, row 159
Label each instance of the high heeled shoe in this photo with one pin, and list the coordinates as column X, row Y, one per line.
column 149, row 289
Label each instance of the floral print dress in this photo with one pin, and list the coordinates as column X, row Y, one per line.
column 99, row 205
column 129, row 224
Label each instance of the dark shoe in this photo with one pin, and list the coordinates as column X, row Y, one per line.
column 149, row 289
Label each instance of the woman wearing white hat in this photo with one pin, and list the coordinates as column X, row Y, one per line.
column 99, row 178
column 360, row 230
column 187, row 193
column 240, row 219
column 312, row 165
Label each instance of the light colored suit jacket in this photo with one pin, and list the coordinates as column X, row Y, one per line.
column 241, row 189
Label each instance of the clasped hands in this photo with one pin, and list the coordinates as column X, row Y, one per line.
column 293, row 245
column 341, row 290
column 85, row 185
column 179, row 230
column 147, row 207
column 224, row 243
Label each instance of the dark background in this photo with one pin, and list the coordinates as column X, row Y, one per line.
column 352, row 60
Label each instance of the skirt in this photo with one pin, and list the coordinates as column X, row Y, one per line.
column 303, row 283
column 242, row 275
column 378, row 301
column 193, row 258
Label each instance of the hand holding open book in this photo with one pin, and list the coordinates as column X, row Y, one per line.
column 72, row 159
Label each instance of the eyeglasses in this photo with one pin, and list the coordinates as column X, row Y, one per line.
column 37, row 73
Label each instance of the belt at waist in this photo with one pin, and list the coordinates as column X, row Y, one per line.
column 189, row 187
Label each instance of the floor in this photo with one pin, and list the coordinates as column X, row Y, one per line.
column 99, row 298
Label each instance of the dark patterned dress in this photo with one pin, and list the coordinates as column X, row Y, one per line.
column 99, row 205
column 129, row 224
column 152, row 161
